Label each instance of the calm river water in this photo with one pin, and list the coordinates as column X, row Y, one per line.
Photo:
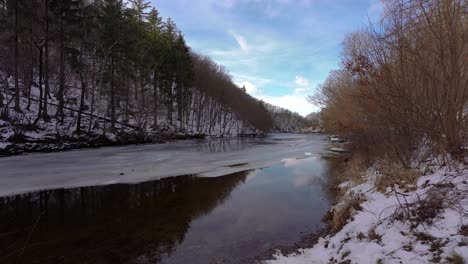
column 184, row 219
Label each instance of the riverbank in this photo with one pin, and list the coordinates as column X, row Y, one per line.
column 55, row 143
column 31, row 140
column 391, row 215
column 26, row 132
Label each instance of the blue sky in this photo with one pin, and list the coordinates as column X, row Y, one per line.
column 279, row 49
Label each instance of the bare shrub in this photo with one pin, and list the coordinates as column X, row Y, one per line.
column 392, row 175
column 355, row 169
column 429, row 205
column 19, row 123
column 403, row 83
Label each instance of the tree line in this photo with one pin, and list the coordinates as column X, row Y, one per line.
column 402, row 89
column 287, row 121
column 113, row 63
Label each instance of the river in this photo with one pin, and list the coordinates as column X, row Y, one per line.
column 232, row 199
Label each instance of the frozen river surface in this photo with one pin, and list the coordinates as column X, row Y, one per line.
column 134, row 164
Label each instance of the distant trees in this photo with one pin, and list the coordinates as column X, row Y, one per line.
column 115, row 63
column 285, row 120
column 314, row 120
column 404, row 83
column 219, row 101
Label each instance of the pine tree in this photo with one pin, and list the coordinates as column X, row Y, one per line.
column 111, row 24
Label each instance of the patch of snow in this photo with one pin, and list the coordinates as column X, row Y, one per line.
column 35, row 134
column 3, row 145
column 335, row 149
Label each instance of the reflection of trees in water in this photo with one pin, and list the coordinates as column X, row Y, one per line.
column 107, row 224
column 227, row 144
column 333, row 173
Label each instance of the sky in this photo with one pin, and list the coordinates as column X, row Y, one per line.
column 280, row 50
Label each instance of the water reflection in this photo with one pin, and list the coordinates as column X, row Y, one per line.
column 269, row 209
column 229, row 144
column 107, row 224
column 183, row 219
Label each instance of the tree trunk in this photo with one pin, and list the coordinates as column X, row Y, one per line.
column 142, row 89
column 136, row 84
column 155, row 100
column 112, row 97
column 127, row 104
column 170, row 106
column 45, row 114
column 31, row 64
column 39, row 112
column 82, row 99
column 17, row 89
column 93, row 79
column 179, row 106
column 60, row 114
column 1, row 98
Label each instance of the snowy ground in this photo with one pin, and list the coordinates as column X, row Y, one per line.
column 132, row 164
column 380, row 232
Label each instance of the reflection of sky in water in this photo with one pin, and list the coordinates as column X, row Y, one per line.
column 273, row 206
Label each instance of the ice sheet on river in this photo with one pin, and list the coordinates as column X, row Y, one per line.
column 132, row 164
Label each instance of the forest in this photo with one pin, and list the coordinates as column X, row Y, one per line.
column 285, row 120
column 70, row 68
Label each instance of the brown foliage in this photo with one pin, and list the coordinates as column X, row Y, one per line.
column 403, row 83
column 391, row 175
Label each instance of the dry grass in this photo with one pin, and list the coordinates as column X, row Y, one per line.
column 342, row 212
column 425, row 238
column 353, row 173
column 464, row 230
column 395, row 175
column 361, row 236
column 355, row 169
column 455, row 258
column 373, row 236
column 349, row 203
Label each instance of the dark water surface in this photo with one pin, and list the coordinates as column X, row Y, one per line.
column 185, row 219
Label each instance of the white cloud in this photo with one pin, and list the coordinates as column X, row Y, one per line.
column 240, row 78
column 296, row 102
column 241, row 41
column 249, row 87
column 302, row 82
column 300, row 90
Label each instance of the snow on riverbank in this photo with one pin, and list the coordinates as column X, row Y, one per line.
column 426, row 225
